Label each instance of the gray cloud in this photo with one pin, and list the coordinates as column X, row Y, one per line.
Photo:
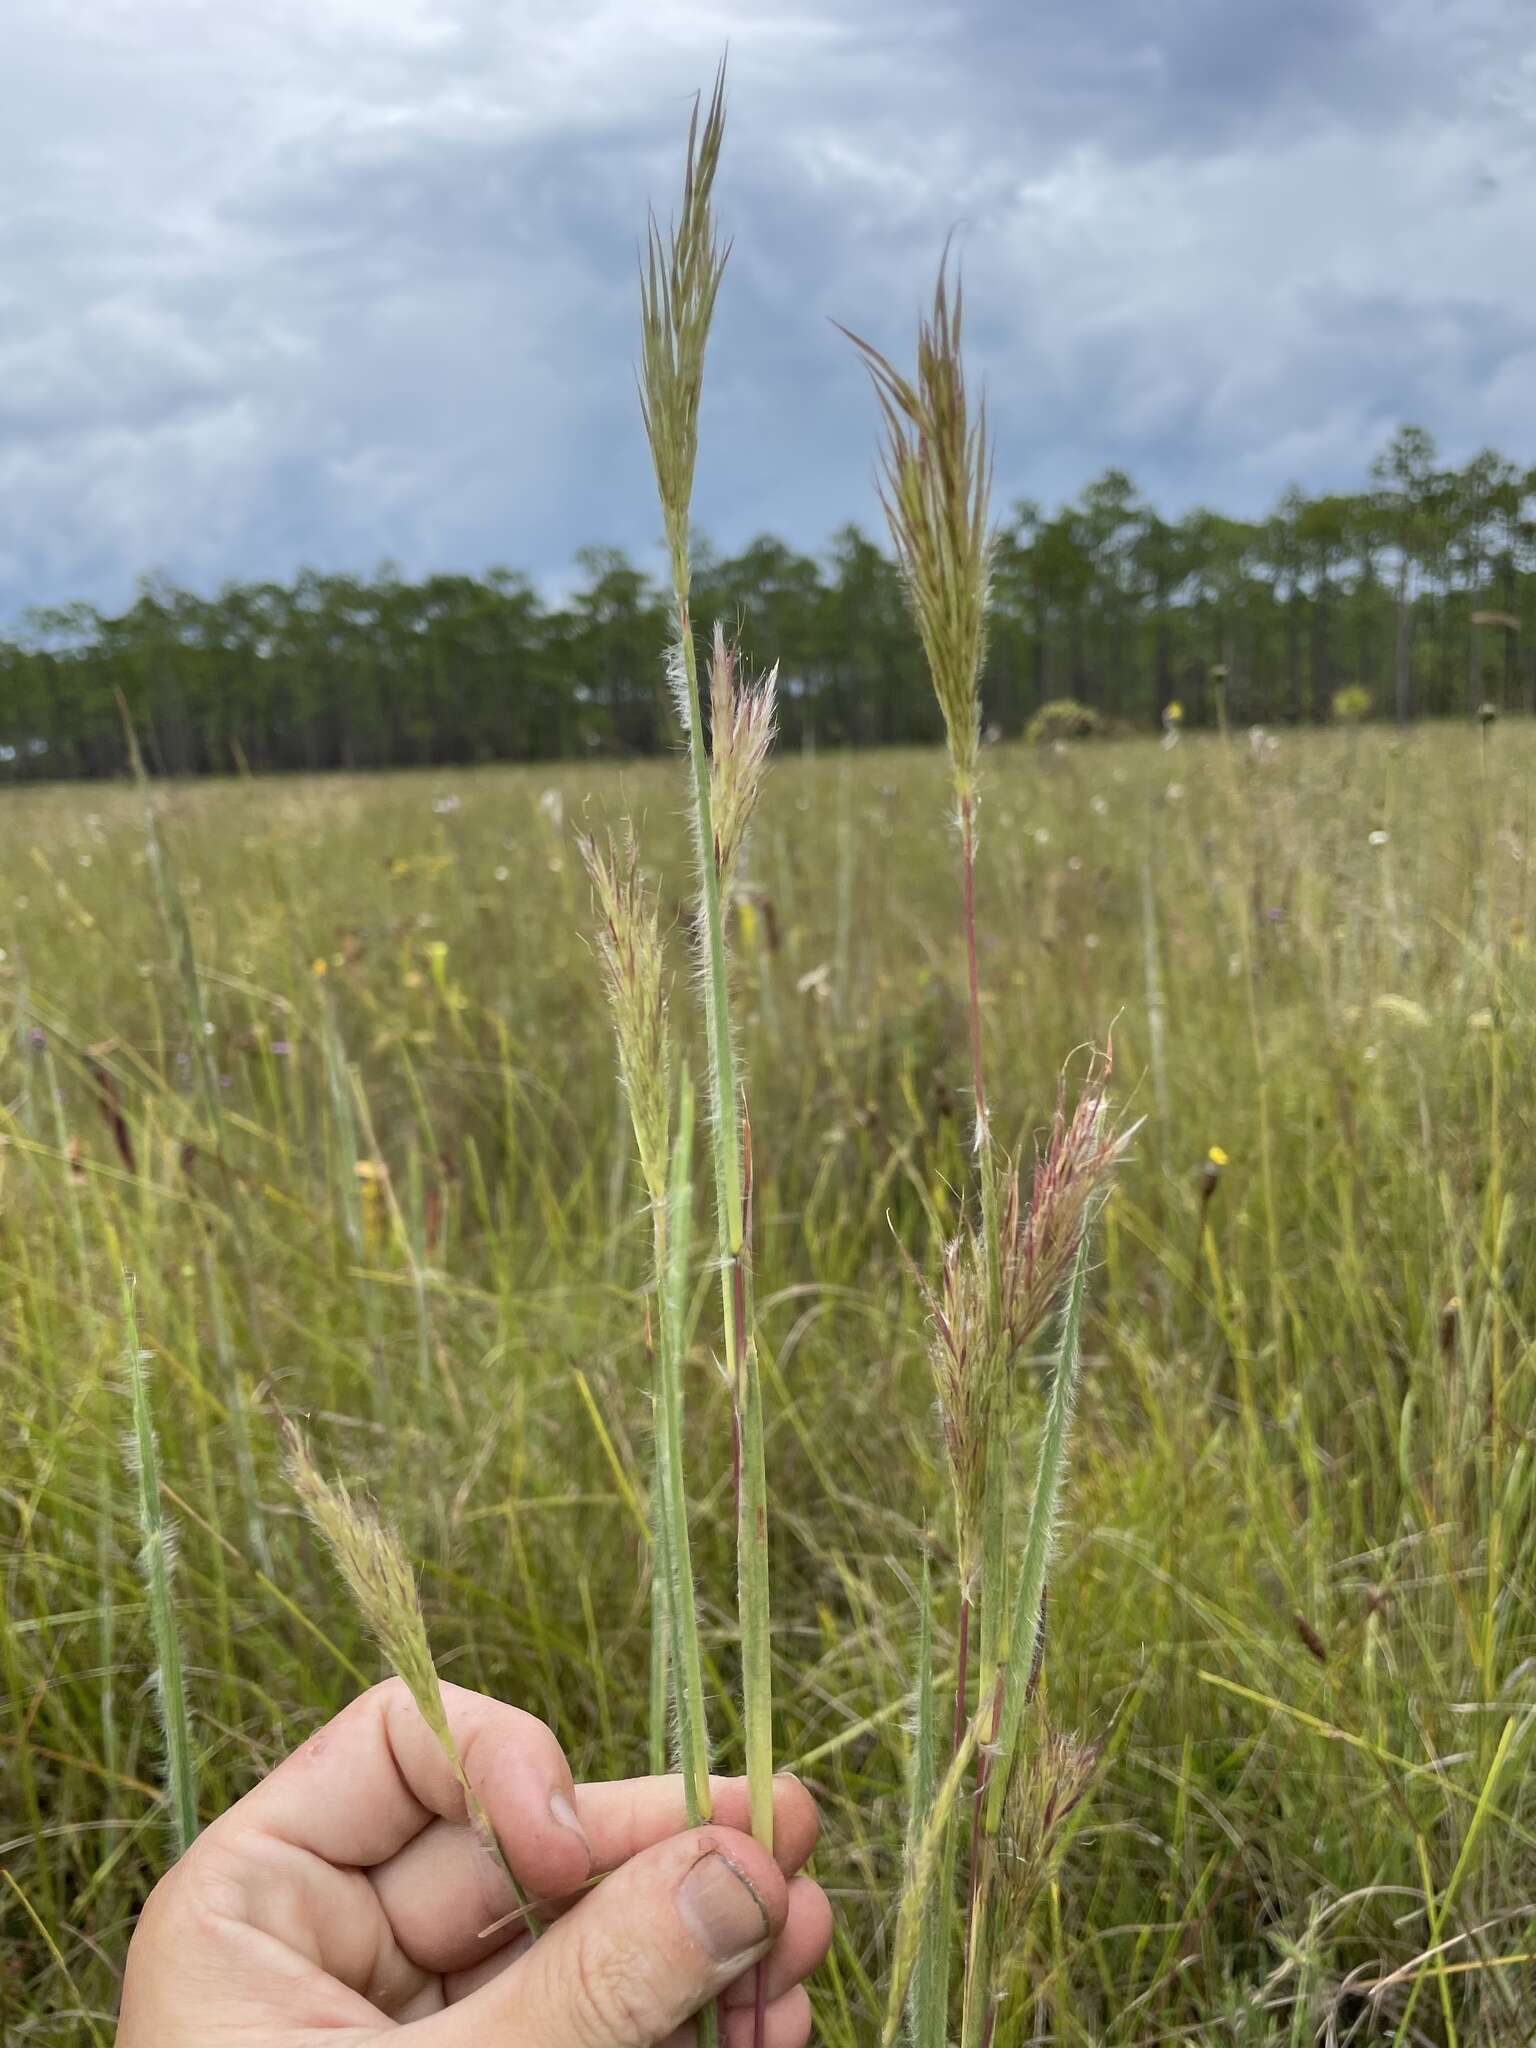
column 335, row 280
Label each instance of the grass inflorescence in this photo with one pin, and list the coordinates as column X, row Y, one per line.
column 1251, row 1400
column 1002, row 1279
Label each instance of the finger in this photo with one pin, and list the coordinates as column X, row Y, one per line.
column 635, row 1957
column 786, row 2024
column 799, row 1950
column 442, row 1892
column 461, row 1984
column 371, row 1780
column 623, row 1818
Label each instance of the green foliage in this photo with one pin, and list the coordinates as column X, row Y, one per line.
column 1063, row 718
column 1292, row 1602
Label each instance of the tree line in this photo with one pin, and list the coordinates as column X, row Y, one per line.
column 1416, row 595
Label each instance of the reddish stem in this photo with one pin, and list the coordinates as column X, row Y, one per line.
column 739, row 1320
column 111, row 1109
column 760, row 2006
column 746, row 1179
column 736, row 1451
column 968, row 871
column 739, row 1383
column 962, row 1670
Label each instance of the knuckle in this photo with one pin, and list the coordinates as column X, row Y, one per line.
column 511, row 1727
column 194, row 1905
column 159, row 1913
column 539, row 1737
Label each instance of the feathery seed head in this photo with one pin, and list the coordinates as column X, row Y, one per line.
column 1053, row 1772
column 1040, row 1240
column 1038, row 1243
column 379, row 1577
column 633, row 955
column 967, row 1378
column 936, row 483
column 678, row 283
column 741, row 714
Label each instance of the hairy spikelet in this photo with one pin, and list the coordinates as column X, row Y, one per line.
column 936, row 487
column 967, row 1377
column 1039, row 1241
column 679, row 279
column 633, row 955
column 678, row 684
column 741, row 726
column 1054, row 1771
column 1040, row 1238
column 379, row 1577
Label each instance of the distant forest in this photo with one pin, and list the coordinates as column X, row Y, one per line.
column 1419, row 590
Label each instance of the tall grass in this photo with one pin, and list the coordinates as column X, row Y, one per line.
column 1278, row 1597
column 1269, row 1779
column 679, row 286
column 1002, row 1281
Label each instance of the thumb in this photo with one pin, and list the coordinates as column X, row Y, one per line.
column 634, row 1959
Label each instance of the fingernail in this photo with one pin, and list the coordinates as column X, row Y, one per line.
column 721, row 1910
column 562, row 1810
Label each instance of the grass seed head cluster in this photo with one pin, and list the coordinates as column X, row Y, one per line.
column 1283, row 1542
column 936, row 487
column 633, row 954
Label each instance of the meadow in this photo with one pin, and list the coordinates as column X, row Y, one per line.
column 1291, row 1602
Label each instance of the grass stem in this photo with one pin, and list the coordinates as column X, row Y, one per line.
column 157, row 1558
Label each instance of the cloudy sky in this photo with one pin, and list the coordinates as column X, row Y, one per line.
column 332, row 281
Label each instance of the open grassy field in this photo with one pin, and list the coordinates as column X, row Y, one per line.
column 1293, row 1599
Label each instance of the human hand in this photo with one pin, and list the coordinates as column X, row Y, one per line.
column 345, row 1897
